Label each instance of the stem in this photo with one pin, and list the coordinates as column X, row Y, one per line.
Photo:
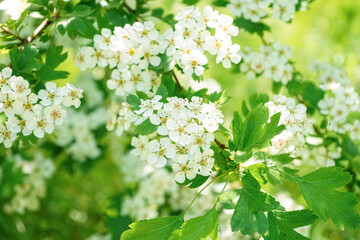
column 227, row 182
column 36, row 32
column 132, row 11
column 7, row 31
column 222, row 146
column 177, row 81
column 198, row 194
column 263, row 40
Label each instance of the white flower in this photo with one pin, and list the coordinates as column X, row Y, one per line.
column 72, row 95
column 6, row 135
column 103, row 41
column 26, row 106
column 55, row 114
column 205, row 162
column 141, row 146
column 41, row 125
column 5, row 74
column 184, row 171
column 7, row 104
column 14, row 8
column 193, row 63
column 147, row 107
column 118, row 81
column 355, row 131
column 52, row 94
column 160, row 151
column 230, row 56
column 84, row 59
column 19, row 86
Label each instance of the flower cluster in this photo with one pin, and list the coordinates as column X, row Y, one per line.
column 321, row 156
column 27, row 112
column 131, row 50
column 272, row 61
column 255, row 10
column 184, row 133
column 77, row 135
column 298, row 126
column 192, row 37
column 340, row 100
column 28, row 194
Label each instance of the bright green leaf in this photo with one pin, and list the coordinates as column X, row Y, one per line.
column 197, row 228
column 153, row 229
column 145, row 128
column 318, row 188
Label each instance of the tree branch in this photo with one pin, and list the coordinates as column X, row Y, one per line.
column 7, row 31
column 177, row 81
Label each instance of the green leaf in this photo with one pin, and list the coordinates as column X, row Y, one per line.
column 255, row 132
column 153, row 229
column 81, row 10
column 282, row 158
column 251, row 27
column 249, row 216
column 198, row 228
column 26, row 61
column 257, row 99
column 54, row 57
column 190, row 2
column 145, row 128
column 75, row 27
column 226, row 199
column 238, row 129
column 39, row 3
column 282, row 224
column 61, row 29
column 198, row 181
column 310, row 93
column 221, row 3
column 134, row 101
column 162, row 91
column 257, row 171
column 318, row 188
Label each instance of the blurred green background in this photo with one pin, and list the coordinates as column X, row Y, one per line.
column 76, row 205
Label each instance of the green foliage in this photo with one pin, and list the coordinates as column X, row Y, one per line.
column 221, row 3
column 26, row 61
column 134, row 101
column 157, row 228
column 309, row 92
column 249, row 215
column 196, row 182
column 145, row 128
column 54, row 57
column 199, row 227
column 318, row 188
column 254, row 132
column 282, row 224
column 251, row 27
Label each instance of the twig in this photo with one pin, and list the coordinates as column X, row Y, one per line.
column 132, row 11
column 37, row 31
column 177, row 81
column 222, row 146
column 263, row 40
column 7, row 31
